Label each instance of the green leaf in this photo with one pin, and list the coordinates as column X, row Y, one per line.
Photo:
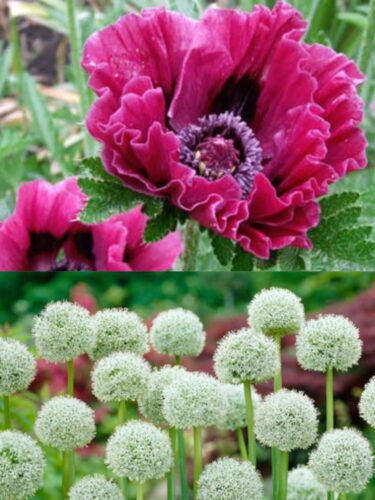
column 242, row 261
column 165, row 222
column 223, row 248
column 5, row 62
column 291, row 259
column 321, row 17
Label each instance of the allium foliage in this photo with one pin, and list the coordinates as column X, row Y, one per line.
column 95, row 487
column 17, row 367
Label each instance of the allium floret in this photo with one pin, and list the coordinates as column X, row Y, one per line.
column 343, row 461
column 246, row 356
column 178, row 332
column 235, row 414
column 121, row 376
column 118, row 330
column 367, row 403
column 152, row 400
column 302, row 484
column 276, row 311
column 95, row 487
column 194, row 400
column 229, row 479
column 139, row 451
column 65, row 423
column 63, row 331
column 17, row 367
column 329, row 341
column 286, row 420
column 21, row 465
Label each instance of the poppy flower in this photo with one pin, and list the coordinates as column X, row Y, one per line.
column 43, row 234
column 232, row 118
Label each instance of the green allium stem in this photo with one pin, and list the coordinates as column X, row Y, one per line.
column 182, row 464
column 277, row 385
column 250, row 423
column 178, row 360
column 123, row 482
column 342, row 496
column 71, row 377
column 139, row 491
column 367, row 40
column 191, row 242
column 283, row 485
column 67, row 472
column 198, row 460
column 329, row 400
column 6, row 412
column 241, row 444
column 171, row 476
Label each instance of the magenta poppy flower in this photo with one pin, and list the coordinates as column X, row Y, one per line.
column 232, row 118
column 43, row 234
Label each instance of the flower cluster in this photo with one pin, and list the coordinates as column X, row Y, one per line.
column 95, row 487
column 235, row 407
column 303, row 484
column 17, row 367
column 44, row 227
column 367, row 403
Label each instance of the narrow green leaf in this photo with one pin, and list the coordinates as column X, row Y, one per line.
column 321, row 17
column 5, row 63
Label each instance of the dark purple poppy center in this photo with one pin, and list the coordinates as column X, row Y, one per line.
column 222, row 144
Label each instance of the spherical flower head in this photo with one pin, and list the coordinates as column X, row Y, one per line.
column 139, row 451
column 118, row 330
column 302, row 484
column 276, row 311
column 194, row 400
column 152, row 400
column 65, row 423
column 342, row 461
column 235, row 414
column 21, row 465
column 329, row 341
column 17, row 367
column 178, row 332
column 121, row 376
column 367, row 403
column 95, row 487
column 229, row 479
column 63, row 331
column 286, row 420
column 246, row 356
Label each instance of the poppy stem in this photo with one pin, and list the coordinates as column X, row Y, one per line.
column 367, row 40
column 241, row 444
column 6, row 412
column 250, row 423
column 198, row 461
column 191, row 242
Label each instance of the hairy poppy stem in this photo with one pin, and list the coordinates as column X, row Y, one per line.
column 6, row 412
column 191, row 242
column 241, row 444
column 250, row 423
column 198, row 461
column 277, row 385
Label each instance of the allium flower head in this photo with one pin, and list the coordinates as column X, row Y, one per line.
column 208, row 114
column 302, row 484
column 121, row 376
column 235, row 414
column 17, row 367
column 21, row 466
column 329, row 341
column 367, row 403
column 343, row 461
column 228, row 479
column 95, row 487
column 118, row 330
column 152, row 400
column 65, row 423
column 276, row 311
column 286, row 420
column 62, row 331
column 194, row 400
column 139, row 451
column 246, row 356
column 178, row 332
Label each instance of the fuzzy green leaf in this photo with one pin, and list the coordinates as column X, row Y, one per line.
column 242, row 261
column 223, row 248
column 165, row 222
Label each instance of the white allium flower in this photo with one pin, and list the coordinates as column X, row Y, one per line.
column 367, row 403
column 21, row 466
column 139, row 451
column 17, row 367
column 66, row 423
column 118, row 330
column 343, row 461
column 95, row 487
column 151, row 402
column 235, row 414
column 276, row 311
column 63, row 331
column 178, row 332
column 286, row 420
column 329, row 341
column 194, row 400
column 246, row 356
column 302, row 484
column 121, row 376
column 229, row 479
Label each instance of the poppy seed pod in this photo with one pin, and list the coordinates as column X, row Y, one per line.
column 302, row 484
column 95, row 487
column 276, row 311
column 235, row 414
column 367, row 403
column 17, row 367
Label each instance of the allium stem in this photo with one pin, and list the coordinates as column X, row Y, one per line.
column 6, row 412
column 284, row 463
column 191, row 242
column 250, row 423
column 198, row 460
column 70, row 365
column 123, row 482
column 139, row 491
column 67, row 473
column 367, row 40
column 182, row 463
column 329, row 411
column 277, row 385
column 171, row 477
column 178, row 360
column 241, row 444
column 342, row 496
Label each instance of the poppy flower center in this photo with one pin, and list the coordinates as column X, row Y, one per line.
column 221, row 144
